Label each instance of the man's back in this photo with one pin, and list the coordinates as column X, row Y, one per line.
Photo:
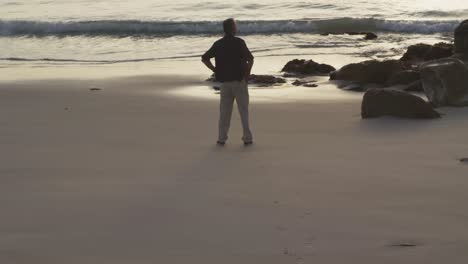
column 231, row 55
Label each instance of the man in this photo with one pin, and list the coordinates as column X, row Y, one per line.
column 233, row 65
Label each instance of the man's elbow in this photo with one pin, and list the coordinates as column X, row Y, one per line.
column 205, row 59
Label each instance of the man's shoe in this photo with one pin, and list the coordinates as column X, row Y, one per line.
column 248, row 143
column 220, row 143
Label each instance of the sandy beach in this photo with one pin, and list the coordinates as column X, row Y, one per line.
column 130, row 174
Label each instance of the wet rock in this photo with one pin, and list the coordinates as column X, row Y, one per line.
column 370, row 36
column 381, row 102
column 289, row 75
column 445, row 82
column 305, row 83
column 439, row 51
column 307, row 67
column 425, row 52
column 354, row 87
column 415, row 87
column 256, row 79
column 266, row 79
column 416, row 52
column 461, row 38
column 403, row 77
column 371, row 71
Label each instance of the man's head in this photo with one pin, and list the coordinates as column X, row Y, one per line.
column 230, row 27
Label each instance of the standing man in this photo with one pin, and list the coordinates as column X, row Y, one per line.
column 233, row 65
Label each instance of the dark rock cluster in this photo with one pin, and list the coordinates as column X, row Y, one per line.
column 307, row 67
column 425, row 52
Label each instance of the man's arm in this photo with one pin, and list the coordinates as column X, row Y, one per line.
column 206, row 58
column 249, row 60
column 248, row 68
column 208, row 64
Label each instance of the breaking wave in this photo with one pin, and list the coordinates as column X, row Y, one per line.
column 158, row 28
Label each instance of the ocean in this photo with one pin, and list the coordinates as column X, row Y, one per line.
column 62, row 32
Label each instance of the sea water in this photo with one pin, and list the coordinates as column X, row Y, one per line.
column 51, row 32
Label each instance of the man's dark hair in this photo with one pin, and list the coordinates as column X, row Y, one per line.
column 228, row 25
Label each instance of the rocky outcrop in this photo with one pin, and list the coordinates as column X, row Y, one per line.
column 445, row 82
column 424, row 52
column 461, row 38
column 394, row 72
column 381, row 102
column 371, row 71
column 307, row 67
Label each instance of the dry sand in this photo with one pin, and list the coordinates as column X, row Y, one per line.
column 130, row 174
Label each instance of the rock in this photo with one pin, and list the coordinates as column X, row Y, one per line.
column 416, row 52
column 306, row 83
column 289, row 75
column 95, row 89
column 464, row 160
column 266, row 79
column 461, row 38
column 381, row 102
column 415, row 87
column 367, row 35
column 307, row 67
column 439, row 51
column 403, row 77
column 445, row 82
column 371, row 71
column 256, row 79
column 325, row 68
column 370, row 36
column 354, row 87
column 425, row 52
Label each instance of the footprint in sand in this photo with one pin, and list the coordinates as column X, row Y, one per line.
column 281, row 228
column 404, row 244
